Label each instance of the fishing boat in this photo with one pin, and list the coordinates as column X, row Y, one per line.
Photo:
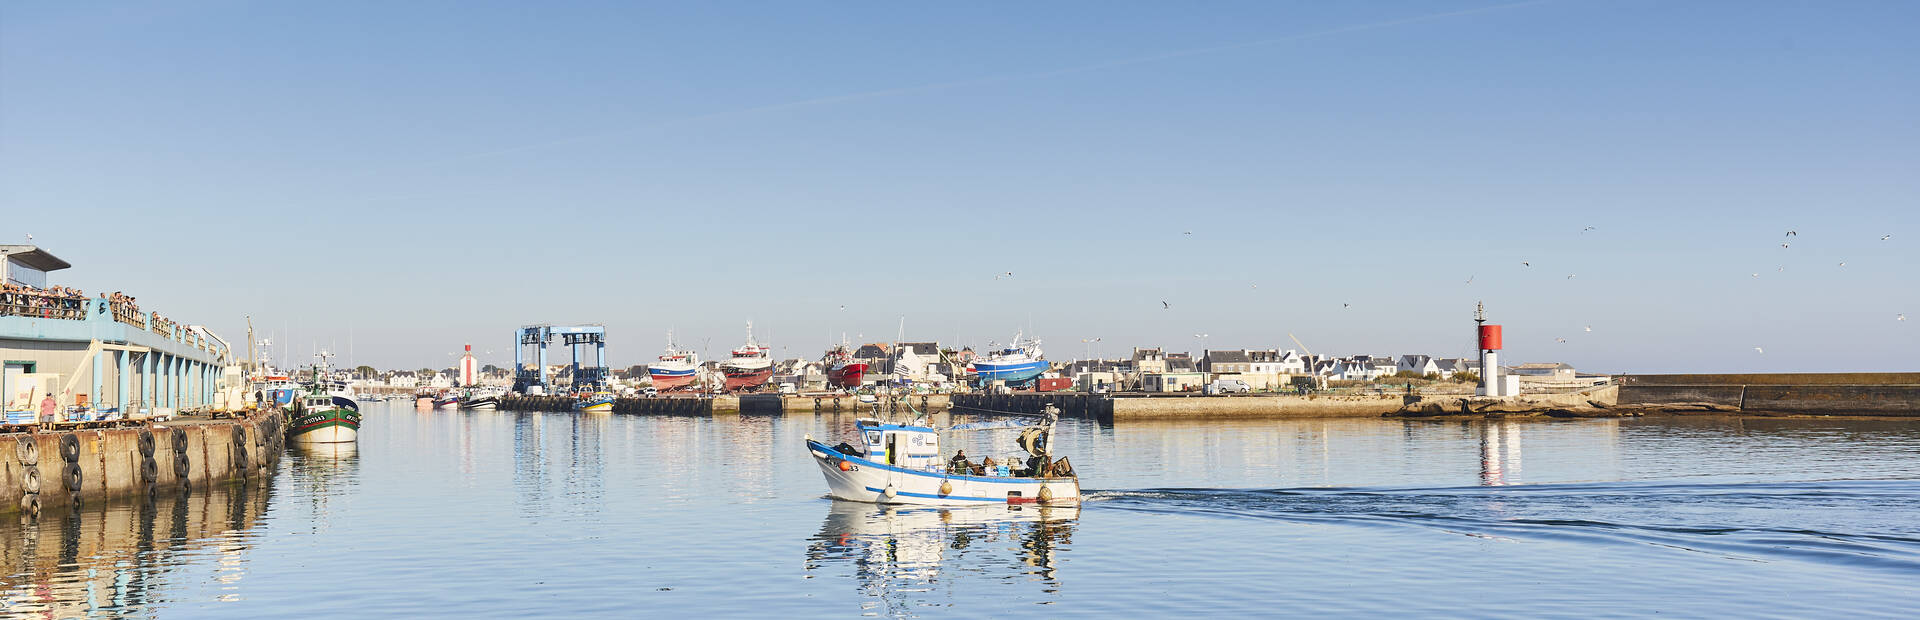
column 479, row 400
column 446, row 400
column 842, row 370
column 675, row 369
column 275, row 388
column 597, row 402
column 750, row 367
column 891, row 463
column 321, row 417
column 1016, row 364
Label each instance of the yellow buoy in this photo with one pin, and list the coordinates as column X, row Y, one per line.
column 946, row 487
column 1046, row 494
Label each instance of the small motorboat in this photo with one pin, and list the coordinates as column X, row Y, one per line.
column 597, row 402
column 891, row 463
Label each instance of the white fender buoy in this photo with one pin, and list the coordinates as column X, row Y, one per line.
column 946, row 487
column 890, row 493
column 1046, row 494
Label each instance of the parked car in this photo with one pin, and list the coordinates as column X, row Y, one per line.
column 1229, row 386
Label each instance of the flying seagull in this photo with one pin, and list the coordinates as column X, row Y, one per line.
column 1589, row 328
column 1843, row 263
column 1346, row 305
column 1882, row 237
column 1758, row 350
column 1469, row 279
column 1901, row 317
column 1586, row 229
column 843, row 306
column 1165, row 306
column 1569, row 276
column 1560, row 340
column 1525, row 264
column 1756, row 275
column 1188, row 233
column 1785, row 244
column 1003, row 275
column 1793, row 233
column 1782, row 268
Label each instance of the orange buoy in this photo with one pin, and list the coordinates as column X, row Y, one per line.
column 845, row 466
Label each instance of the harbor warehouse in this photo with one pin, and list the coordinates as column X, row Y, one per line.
column 101, row 353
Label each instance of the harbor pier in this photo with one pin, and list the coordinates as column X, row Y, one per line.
column 45, row 468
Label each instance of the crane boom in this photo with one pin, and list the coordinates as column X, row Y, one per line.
column 1302, row 345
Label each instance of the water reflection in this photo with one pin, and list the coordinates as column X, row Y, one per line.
column 905, row 558
column 119, row 558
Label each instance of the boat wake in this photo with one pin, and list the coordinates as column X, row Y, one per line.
column 1864, row 523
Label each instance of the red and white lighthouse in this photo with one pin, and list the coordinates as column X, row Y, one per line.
column 469, row 368
column 1489, row 335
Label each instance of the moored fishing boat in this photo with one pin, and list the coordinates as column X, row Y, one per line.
column 597, row 402
column 275, row 388
column 750, row 367
column 675, row 369
column 321, row 417
column 1016, row 364
column 892, row 463
column 480, row 401
column 446, row 400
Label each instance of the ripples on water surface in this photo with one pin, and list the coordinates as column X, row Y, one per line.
column 516, row 514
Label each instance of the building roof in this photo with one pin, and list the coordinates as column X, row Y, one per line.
column 1214, row 357
column 1542, row 366
column 33, row 256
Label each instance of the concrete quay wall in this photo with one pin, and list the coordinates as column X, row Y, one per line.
column 1871, row 394
column 59, row 468
column 1256, row 406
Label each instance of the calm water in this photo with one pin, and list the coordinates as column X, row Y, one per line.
column 516, row 514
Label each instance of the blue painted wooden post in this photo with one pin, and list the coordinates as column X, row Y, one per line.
column 99, row 381
column 126, row 382
column 146, row 379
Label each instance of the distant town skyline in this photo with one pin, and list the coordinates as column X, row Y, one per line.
column 1616, row 181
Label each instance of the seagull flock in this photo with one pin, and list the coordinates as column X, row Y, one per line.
column 1785, row 245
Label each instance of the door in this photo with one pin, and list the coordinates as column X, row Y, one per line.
column 10, row 380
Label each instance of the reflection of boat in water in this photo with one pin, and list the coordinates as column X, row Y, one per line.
column 901, row 464
column 900, row 553
column 322, row 452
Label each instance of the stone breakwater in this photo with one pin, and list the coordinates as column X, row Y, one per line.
column 56, row 468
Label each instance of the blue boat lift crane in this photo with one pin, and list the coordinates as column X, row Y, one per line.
column 539, row 337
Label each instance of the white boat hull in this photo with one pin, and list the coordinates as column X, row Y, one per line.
column 854, row 478
column 327, row 434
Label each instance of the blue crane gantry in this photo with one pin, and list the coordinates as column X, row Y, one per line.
column 574, row 336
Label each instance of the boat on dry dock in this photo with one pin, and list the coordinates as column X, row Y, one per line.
column 675, row 369
column 843, row 370
column 750, row 367
column 891, row 463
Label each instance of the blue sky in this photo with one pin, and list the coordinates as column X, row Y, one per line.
column 428, row 174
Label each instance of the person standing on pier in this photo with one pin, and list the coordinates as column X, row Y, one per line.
column 47, row 408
